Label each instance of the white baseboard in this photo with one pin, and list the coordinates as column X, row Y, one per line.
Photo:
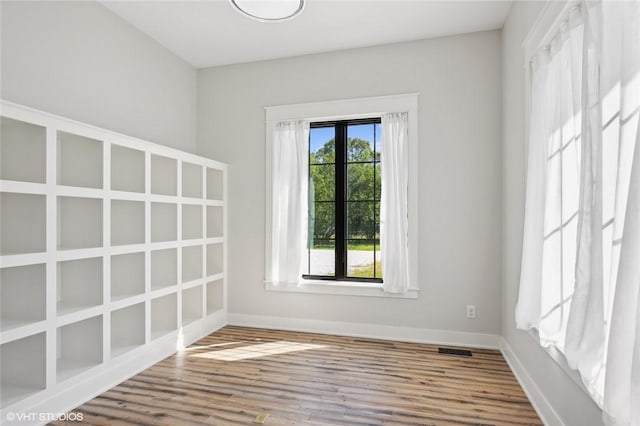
column 374, row 331
column 71, row 393
column 540, row 403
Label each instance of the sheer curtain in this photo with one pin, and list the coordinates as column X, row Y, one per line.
column 585, row 337
column 289, row 201
column 548, row 259
column 620, row 80
column 394, row 222
column 580, row 277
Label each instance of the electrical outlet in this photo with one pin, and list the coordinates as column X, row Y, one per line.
column 471, row 311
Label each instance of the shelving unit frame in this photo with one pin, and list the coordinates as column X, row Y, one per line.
column 50, row 334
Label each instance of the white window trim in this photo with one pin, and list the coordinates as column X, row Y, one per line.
column 340, row 110
column 344, row 288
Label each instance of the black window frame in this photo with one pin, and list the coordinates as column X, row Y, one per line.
column 341, row 181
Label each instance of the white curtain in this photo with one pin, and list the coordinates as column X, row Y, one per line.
column 585, row 337
column 580, row 277
column 546, row 283
column 289, row 201
column 394, row 222
column 620, row 90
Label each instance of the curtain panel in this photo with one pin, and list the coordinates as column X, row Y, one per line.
column 289, row 201
column 394, row 206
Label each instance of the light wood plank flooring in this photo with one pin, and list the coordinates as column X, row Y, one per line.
column 237, row 373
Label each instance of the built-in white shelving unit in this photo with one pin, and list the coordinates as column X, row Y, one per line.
column 112, row 256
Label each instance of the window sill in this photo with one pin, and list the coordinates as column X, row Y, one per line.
column 344, row 288
column 559, row 358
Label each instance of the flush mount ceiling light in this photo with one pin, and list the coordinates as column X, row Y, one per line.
column 269, row 10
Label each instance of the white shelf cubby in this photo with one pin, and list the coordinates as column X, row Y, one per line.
column 215, row 296
column 127, row 275
column 191, row 221
column 215, row 259
column 23, row 149
column 215, row 184
column 22, row 368
column 127, row 329
column 127, row 169
column 79, row 347
column 191, row 180
column 79, row 161
column 164, row 315
column 215, row 221
column 191, row 263
column 164, row 222
column 22, row 223
column 164, row 268
column 164, row 175
column 80, row 223
column 22, row 295
column 127, row 222
column 79, row 284
column 191, row 305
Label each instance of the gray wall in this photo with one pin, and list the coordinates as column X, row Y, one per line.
column 571, row 403
column 459, row 80
column 79, row 60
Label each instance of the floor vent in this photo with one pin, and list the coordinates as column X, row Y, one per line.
column 458, row 352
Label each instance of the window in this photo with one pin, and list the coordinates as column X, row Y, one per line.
column 344, row 200
column 301, row 221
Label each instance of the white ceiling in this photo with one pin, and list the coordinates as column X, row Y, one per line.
column 210, row 33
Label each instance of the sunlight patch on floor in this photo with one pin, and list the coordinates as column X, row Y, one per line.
column 257, row 350
column 216, row 345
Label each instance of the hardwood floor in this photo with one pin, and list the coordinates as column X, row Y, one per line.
column 236, row 374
